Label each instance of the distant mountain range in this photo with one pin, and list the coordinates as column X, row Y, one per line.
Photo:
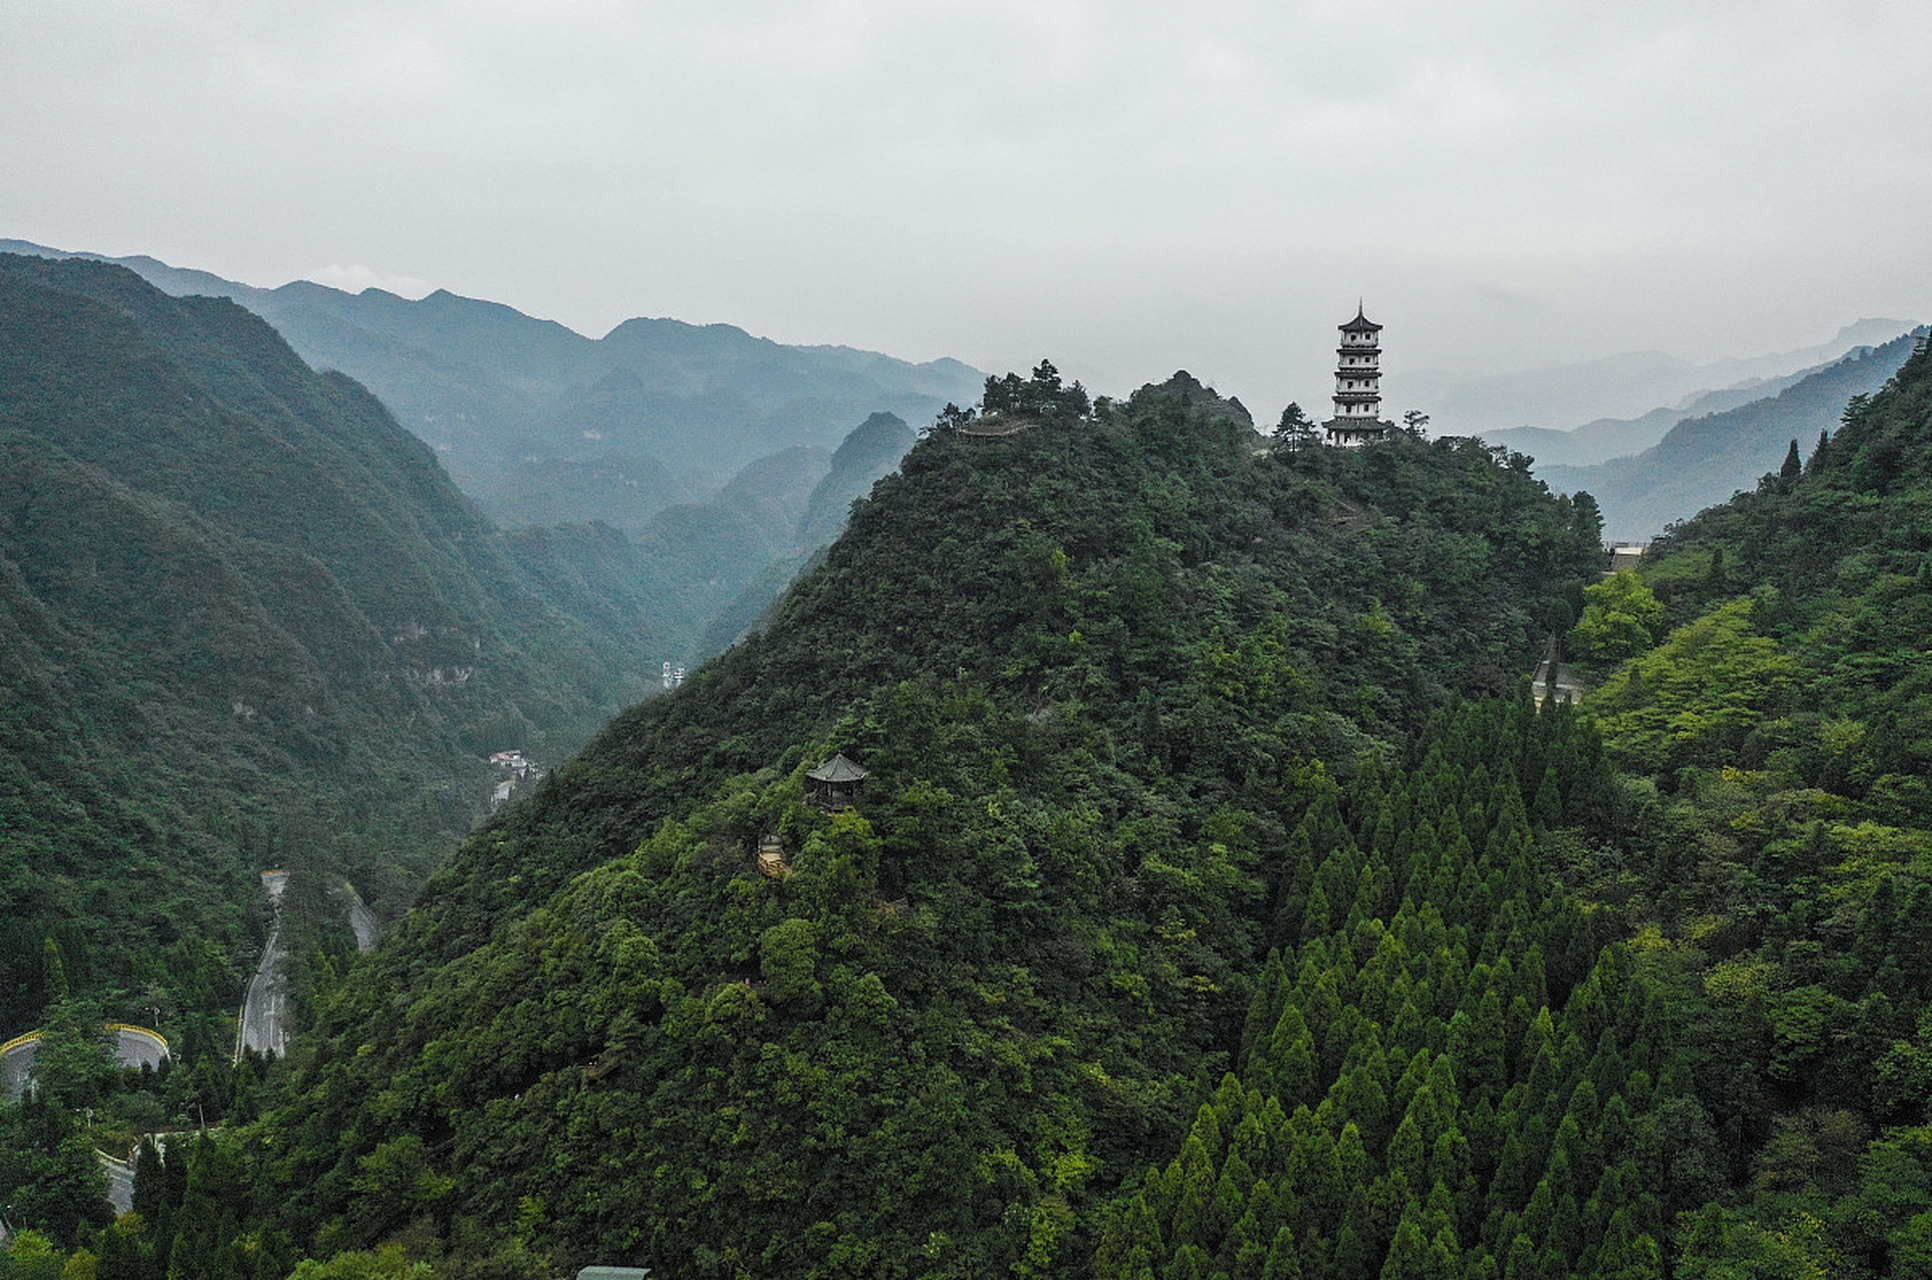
column 243, row 613
column 1615, row 399
column 541, row 424
column 704, row 447
column 1702, row 461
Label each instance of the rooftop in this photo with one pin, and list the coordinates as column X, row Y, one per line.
column 1361, row 323
column 837, row 769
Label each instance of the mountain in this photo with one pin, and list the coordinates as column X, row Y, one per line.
column 1608, row 438
column 1618, row 388
column 1771, row 719
column 247, row 620
column 618, row 489
column 1702, row 461
column 695, row 577
column 490, row 388
column 1216, row 903
column 1110, row 676
column 872, row 450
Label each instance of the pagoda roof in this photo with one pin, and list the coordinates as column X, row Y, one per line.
column 837, row 769
column 1360, row 324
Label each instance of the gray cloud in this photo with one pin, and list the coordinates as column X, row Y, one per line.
column 1131, row 187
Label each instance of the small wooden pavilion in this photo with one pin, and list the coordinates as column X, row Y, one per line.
column 836, row 783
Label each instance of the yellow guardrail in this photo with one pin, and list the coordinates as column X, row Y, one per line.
column 116, row 1027
column 151, row 1034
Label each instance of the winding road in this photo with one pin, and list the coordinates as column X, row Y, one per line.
column 361, row 920
column 133, row 1047
column 262, row 1028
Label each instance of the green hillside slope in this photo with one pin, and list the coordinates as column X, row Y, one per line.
column 239, row 601
column 1776, row 852
column 490, row 388
column 1095, row 669
column 1702, row 461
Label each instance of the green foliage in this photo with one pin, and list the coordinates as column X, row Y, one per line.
column 247, row 620
column 1042, row 397
column 1696, row 696
column 1620, row 617
column 1295, row 430
column 390, row 1263
column 1093, row 669
column 1783, row 846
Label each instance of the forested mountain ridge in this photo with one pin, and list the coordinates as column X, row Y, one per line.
column 1769, row 708
column 504, row 397
column 1095, row 668
column 1704, row 460
column 1217, row 906
column 1607, row 438
column 247, row 617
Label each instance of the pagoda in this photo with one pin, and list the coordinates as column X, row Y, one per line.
column 1358, row 392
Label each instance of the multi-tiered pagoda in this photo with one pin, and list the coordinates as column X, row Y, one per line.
column 1358, row 390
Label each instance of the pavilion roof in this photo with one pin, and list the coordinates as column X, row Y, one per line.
column 837, row 769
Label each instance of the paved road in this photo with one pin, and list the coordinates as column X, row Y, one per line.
column 263, row 1009
column 361, row 919
column 131, row 1049
column 14, row 1067
column 120, row 1182
column 262, row 1027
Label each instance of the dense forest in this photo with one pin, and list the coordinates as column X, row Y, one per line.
column 247, row 621
column 1218, row 902
column 1099, row 669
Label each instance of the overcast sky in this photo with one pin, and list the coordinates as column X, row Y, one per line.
column 1128, row 187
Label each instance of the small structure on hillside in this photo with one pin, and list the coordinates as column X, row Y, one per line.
column 1625, row 555
column 773, row 859
column 1358, row 385
column 613, row 1273
column 837, row 783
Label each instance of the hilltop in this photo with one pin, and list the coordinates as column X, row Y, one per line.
column 1102, row 669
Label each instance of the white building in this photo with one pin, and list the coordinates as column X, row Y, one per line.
column 1358, row 385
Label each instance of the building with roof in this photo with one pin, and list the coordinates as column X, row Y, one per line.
column 1358, row 385
column 836, row 783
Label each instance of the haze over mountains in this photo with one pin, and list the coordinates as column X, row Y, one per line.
column 245, row 616
column 1703, row 460
column 1635, row 385
column 655, row 412
column 701, row 445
